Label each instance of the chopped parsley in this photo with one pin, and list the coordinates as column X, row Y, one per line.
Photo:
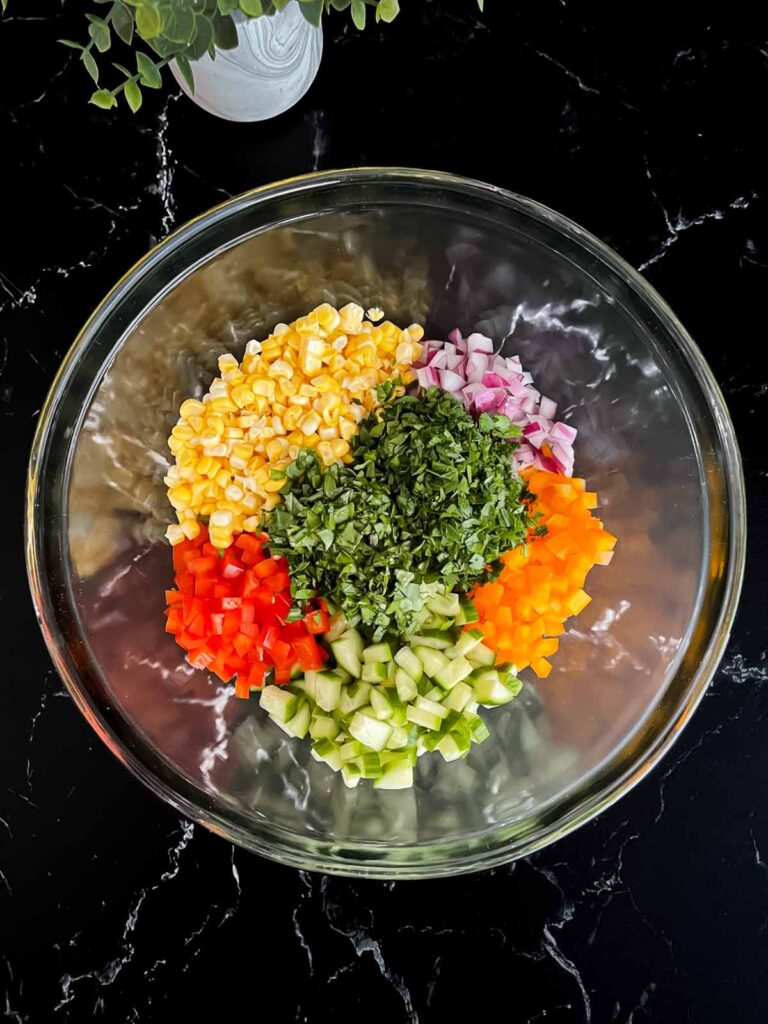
column 429, row 503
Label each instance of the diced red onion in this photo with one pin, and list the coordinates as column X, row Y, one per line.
column 562, row 433
column 450, row 381
column 547, row 408
column 488, row 399
column 479, row 343
column 468, row 370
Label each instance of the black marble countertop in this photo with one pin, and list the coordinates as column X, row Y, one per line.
column 646, row 126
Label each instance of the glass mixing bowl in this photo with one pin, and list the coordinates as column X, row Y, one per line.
column 654, row 440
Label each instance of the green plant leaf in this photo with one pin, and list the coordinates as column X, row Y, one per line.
column 179, row 26
column 227, row 6
column 99, row 32
column 480, row 5
column 103, row 98
column 186, row 69
column 90, row 65
column 358, row 14
column 203, row 39
column 164, row 47
column 253, row 8
column 224, row 32
column 312, row 11
column 148, row 22
column 70, row 44
column 340, row 5
column 387, row 10
column 133, row 94
column 280, row 5
column 123, row 70
column 122, row 22
column 149, row 72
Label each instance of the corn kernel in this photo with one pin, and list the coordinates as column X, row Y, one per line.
column 191, row 528
column 274, row 485
column 191, row 407
column 174, row 534
column 221, row 519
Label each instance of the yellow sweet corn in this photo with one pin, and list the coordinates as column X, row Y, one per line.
column 308, row 385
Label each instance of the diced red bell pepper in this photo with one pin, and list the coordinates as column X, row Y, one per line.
column 317, row 622
column 202, row 566
column 265, row 568
column 247, row 542
column 229, row 612
column 204, row 586
column 310, row 654
column 277, row 581
column 258, row 673
column 242, row 644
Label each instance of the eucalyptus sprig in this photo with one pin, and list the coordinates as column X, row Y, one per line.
column 159, row 31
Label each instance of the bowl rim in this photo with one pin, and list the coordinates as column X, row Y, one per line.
column 503, row 845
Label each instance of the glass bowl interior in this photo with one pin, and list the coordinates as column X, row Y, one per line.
column 654, row 440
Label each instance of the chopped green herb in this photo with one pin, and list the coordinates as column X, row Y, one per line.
column 430, row 503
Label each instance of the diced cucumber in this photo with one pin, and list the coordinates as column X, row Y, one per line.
column 278, row 702
column 508, row 676
column 438, row 623
column 348, row 650
column 400, row 738
column 477, row 727
column 406, row 685
column 327, row 690
column 353, row 696
column 398, row 710
column 323, row 727
column 370, row 731
column 466, row 642
column 296, row 671
column 445, row 604
column 351, row 749
column 396, row 774
column 298, row 726
column 381, row 704
column 432, row 638
column 490, row 690
column 337, row 627
column 482, row 655
column 458, row 698
column 420, row 717
column 374, row 672
column 472, row 706
column 350, row 773
column 377, row 653
column 454, row 672
column 307, row 685
column 280, row 725
column 453, row 746
column 467, row 612
column 409, row 663
column 432, row 707
column 329, row 752
column 434, row 693
column 370, row 765
column 432, row 660
column 431, row 739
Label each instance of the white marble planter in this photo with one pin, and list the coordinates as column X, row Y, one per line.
column 269, row 71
